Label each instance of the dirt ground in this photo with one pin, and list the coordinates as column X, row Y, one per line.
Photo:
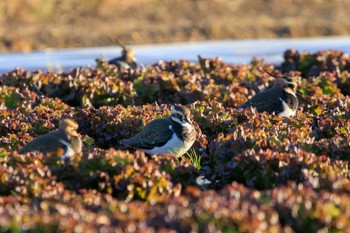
column 39, row 24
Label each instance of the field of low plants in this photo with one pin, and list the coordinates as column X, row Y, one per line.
column 247, row 171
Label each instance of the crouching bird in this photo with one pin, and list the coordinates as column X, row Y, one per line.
column 172, row 135
column 65, row 141
column 280, row 99
column 127, row 59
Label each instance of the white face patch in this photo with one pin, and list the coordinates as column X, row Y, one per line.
column 72, row 131
column 175, row 119
column 69, row 152
column 184, row 124
column 187, row 125
column 289, row 90
column 287, row 111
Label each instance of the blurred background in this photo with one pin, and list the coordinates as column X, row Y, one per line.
column 40, row 24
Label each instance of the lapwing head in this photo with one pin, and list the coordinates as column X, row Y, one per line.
column 129, row 54
column 286, row 84
column 180, row 114
column 69, row 126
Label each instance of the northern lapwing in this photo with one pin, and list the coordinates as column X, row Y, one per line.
column 64, row 142
column 126, row 60
column 280, row 99
column 172, row 135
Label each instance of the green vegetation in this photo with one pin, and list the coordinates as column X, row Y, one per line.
column 195, row 159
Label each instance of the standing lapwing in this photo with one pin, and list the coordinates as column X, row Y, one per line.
column 126, row 60
column 280, row 99
column 173, row 135
column 65, row 141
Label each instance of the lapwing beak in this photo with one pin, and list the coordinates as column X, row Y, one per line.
column 300, row 93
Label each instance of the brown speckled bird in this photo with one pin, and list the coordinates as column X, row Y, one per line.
column 65, row 141
column 280, row 99
column 173, row 135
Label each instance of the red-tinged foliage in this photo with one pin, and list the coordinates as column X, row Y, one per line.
column 257, row 172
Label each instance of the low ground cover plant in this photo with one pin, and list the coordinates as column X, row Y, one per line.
column 247, row 171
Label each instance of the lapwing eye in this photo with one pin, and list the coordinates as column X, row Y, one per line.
column 291, row 85
column 178, row 116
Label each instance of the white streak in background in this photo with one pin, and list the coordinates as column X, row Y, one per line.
column 231, row 51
